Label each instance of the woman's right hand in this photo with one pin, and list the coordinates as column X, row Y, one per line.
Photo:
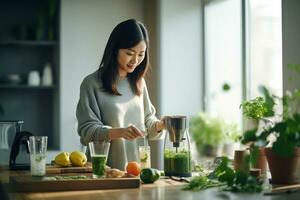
column 131, row 133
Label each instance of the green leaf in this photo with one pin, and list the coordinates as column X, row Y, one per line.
column 269, row 102
column 295, row 67
column 241, row 177
column 283, row 147
column 249, row 136
column 144, row 159
column 226, row 87
column 254, row 154
column 227, row 176
column 279, row 127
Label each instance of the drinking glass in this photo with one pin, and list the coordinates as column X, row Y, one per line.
column 99, row 153
column 38, row 150
column 144, row 154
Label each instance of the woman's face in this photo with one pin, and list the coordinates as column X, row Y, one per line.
column 129, row 59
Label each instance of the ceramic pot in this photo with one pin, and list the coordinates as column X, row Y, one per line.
column 284, row 170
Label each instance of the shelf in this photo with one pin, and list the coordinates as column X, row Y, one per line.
column 15, row 86
column 22, row 52
column 29, row 43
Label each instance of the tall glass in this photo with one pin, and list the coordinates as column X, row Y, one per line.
column 38, row 150
column 99, row 153
column 144, row 154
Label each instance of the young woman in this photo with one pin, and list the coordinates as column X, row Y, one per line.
column 114, row 103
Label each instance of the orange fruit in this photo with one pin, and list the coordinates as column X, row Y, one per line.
column 133, row 168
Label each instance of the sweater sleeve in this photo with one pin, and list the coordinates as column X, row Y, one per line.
column 150, row 118
column 88, row 113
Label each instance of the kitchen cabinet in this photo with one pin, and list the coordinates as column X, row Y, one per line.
column 29, row 38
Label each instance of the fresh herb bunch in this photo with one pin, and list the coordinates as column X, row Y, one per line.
column 201, row 183
column 224, row 175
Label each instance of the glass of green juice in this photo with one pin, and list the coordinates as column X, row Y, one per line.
column 99, row 153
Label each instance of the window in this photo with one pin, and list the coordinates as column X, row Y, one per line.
column 265, row 46
column 222, row 36
column 225, row 37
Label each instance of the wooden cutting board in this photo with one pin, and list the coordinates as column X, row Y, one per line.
column 56, row 169
column 39, row 184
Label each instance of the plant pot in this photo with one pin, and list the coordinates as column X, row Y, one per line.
column 239, row 161
column 208, row 150
column 260, row 162
column 251, row 124
column 284, row 170
column 228, row 149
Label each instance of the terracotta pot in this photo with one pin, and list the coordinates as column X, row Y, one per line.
column 239, row 160
column 260, row 161
column 284, row 170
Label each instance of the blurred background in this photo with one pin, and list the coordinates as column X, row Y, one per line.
column 206, row 55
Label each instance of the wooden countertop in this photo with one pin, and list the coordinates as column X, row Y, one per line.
column 162, row 189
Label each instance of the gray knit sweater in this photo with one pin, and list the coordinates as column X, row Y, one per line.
column 97, row 111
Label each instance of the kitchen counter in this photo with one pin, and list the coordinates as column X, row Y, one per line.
column 162, row 189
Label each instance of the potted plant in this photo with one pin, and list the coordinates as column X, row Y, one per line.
column 283, row 154
column 258, row 111
column 209, row 133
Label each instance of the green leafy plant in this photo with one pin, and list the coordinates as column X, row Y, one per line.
column 207, row 130
column 211, row 131
column 286, row 131
column 255, row 108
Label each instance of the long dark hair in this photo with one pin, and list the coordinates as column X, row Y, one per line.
column 125, row 35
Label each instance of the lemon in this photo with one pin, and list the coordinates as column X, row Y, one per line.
column 78, row 158
column 62, row 159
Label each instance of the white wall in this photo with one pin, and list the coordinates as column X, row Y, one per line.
column 290, row 43
column 180, row 32
column 84, row 30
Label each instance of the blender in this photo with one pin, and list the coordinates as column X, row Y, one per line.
column 177, row 148
column 13, row 145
